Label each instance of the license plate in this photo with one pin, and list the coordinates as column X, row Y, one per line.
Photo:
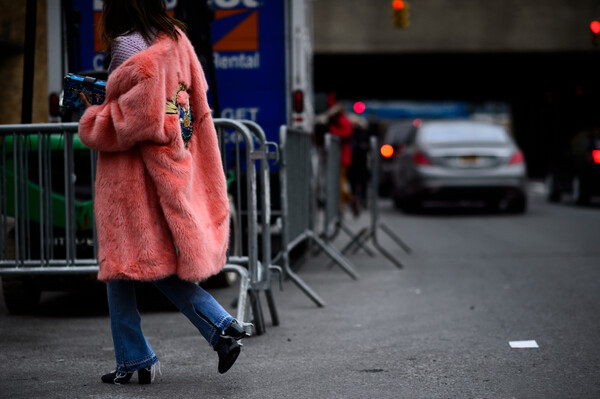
column 469, row 160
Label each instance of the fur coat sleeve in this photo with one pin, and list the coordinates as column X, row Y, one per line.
column 116, row 124
column 161, row 208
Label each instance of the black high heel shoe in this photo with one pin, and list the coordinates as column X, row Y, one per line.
column 116, row 378
column 228, row 347
column 145, row 376
column 228, row 350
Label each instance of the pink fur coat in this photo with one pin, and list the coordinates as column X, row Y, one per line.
column 161, row 208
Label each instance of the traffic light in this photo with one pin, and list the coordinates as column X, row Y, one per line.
column 401, row 14
column 595, row 30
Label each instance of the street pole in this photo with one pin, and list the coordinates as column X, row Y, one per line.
column 29, row 62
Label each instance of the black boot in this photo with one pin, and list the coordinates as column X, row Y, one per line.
column 235, row 330
column 144, row 376
column 229, row 350
column 116, row 378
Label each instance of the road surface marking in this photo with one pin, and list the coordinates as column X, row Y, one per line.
column 523, row 344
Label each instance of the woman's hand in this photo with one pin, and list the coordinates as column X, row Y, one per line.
column 85, row 100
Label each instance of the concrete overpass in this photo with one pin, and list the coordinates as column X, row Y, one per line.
column 536, row 55
column 365, row 26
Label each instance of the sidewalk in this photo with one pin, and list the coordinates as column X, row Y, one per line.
column 346, row 350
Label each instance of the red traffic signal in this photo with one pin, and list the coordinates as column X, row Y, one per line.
column 401, row 14
column 595, row 32
column 398, row 4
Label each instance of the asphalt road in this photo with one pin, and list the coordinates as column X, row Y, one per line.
column 439, row 328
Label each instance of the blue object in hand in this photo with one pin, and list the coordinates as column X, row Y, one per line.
column 93, row 88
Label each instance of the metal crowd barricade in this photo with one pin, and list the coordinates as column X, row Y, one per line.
column 333, row 222
column 370, row 233
column 46, row 207
column 296, row 198
column 46, row 201
column 243, row 147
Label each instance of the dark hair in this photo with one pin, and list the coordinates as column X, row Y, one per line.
column 120, row 17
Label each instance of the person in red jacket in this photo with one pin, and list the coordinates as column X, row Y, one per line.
column 339, row 125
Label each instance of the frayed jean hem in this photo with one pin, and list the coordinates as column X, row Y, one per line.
column 221, row 326
column 130, row 367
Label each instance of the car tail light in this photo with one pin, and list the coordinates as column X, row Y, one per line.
column 387, row 150
column 596, row 156
column 421, row 159
column 298, row 101
column 516, row 158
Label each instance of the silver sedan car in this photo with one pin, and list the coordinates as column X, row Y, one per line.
column 461, row 160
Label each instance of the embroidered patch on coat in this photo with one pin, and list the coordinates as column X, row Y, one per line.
column 180, row 104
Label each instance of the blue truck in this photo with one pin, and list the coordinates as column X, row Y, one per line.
column 260, row 51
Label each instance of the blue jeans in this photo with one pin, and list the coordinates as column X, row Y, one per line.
column 132, row 350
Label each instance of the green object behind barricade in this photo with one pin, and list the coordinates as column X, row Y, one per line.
column 31, row 142
column 83, row 209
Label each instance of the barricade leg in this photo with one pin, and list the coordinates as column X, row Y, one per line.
column 336, row 256
column 356, row 241
column 384, row 252
column 394, row 237
column 290, row 274
column 305, row 288
column 257, row 313
column 243, row 290
column 272, row 307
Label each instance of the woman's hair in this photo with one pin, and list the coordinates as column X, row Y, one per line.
column 120, row 17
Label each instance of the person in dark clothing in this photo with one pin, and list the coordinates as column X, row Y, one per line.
column 358, row 173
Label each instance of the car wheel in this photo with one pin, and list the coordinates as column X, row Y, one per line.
column 553, row 194
column 581, row 194
column 518, row 205
column 407, row 204
column 397, row 202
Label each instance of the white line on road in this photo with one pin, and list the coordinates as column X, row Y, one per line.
column 523, row 344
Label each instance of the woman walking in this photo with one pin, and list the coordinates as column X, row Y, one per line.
column 161, row 201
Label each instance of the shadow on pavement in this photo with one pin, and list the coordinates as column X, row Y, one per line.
column 91, row 301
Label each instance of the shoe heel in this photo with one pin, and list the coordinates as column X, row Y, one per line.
column 148, row 374
column 145, row 375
